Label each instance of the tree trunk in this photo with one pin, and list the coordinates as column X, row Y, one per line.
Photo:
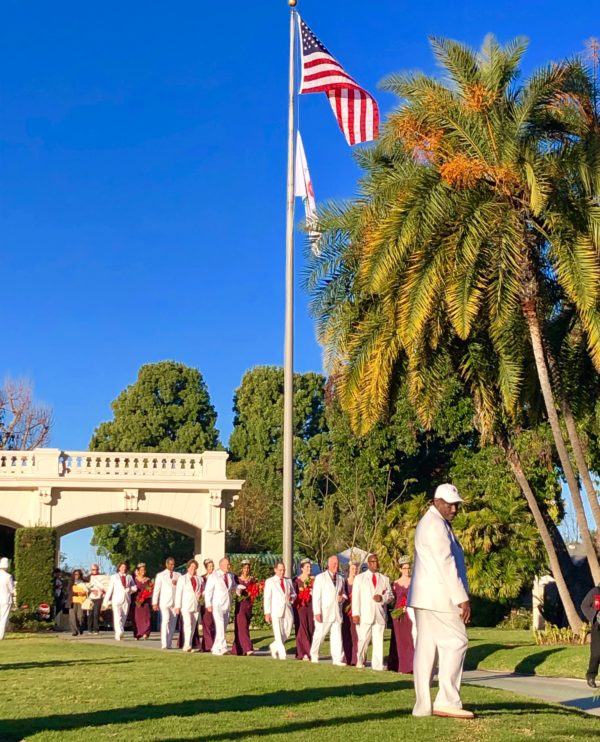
column 517, row 468
column 575, row 440
column 530, row 313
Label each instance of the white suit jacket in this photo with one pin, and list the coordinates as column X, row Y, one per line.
column 216, row 593
column 277, row 601
column 363, row 591
column 325, row 597
column 7, row 588
column 116, row 593
column 165, row 586
column 186, row 598
column 439, row 578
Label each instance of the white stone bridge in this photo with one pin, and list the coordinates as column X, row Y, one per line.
column 69, row 490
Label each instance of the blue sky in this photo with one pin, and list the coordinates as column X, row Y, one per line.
column 142, row 186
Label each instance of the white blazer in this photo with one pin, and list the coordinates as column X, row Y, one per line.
column 7, row 588
column 277, row 601
column 439, row 578
column 186, row 598
column 363, row 605
column 325, row 597
column 165, row 586
column 216, row 593
column 116, row 593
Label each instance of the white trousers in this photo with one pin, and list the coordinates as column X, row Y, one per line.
column 168, row 620
column 282, row 628
column 443, row 634
column 4, row 613
column 322, row 629
column 119, row 617
column 366, row 632
column 190, row 622
column 221, row 619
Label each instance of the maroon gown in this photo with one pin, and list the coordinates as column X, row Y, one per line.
column 242, row 643
column 349, row 633
column 401, row 642
column 304, row 623
column 142, row 614
column 208, row 624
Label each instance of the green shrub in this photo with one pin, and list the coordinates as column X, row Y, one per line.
column 35, row 554
column 555, row 635
column 28, row 621
column 518, row 618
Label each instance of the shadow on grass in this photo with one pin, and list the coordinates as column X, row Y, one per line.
column 248, row 702
column 35, row 665
column 15, row 729
column 478, row 653
column 528, row 665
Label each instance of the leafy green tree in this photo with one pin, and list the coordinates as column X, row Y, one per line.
column 166, row 409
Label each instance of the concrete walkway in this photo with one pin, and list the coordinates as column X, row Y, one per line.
column 570, row 692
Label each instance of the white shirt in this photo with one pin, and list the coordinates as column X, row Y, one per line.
column 325, row 592
column 276, row 600
column 218, row 591
column 7, row 588
column 186, row 598
column 97, row 586
column 116, row 593
column 363, row 591
column 165, row 586
column 439, row 578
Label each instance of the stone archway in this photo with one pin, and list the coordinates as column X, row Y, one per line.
column 69, row 490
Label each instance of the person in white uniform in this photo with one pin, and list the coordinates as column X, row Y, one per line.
column 439, row 596
column 371, row 594
column 278, row 596
column 121, row 587
column 220, row 586
column 187, row 596
column 163, row 600
column 7, row 591
column 327, row 598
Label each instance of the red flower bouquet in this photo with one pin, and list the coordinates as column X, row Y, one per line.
column 400, row 608
column 146, row 594
column 253, row 590
column 304, row 593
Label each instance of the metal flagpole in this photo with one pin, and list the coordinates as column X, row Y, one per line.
column 288, row 361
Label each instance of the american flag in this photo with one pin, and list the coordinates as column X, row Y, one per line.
column 355, row 110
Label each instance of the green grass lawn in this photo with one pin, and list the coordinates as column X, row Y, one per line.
column 53, row 689
column 515, row 651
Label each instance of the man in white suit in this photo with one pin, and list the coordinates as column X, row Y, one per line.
column 163, row 600
column 327, row 598
column 371, row 594
column 120, row 589
column 439, row 595
column 7, row 591
column 217, row 599
column 278, row 596
column 187, row 595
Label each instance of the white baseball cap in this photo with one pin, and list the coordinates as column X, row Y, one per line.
column 448, row 493
column 4, row 563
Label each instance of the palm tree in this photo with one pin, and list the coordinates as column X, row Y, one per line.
column 471, row 207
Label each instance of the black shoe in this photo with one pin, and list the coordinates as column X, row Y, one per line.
column 591, row 681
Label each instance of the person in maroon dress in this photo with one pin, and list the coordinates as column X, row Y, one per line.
column 208, row 622
column 242, row 643
column 304, row 621
column 402, row 649
column 142, row 616
column 349, row 633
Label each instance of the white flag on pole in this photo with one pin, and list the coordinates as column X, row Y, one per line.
column 303, row 188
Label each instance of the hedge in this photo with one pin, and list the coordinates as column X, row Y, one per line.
column 35, row 555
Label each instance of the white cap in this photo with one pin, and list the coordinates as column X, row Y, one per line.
column 4, row 563
column 448, row 493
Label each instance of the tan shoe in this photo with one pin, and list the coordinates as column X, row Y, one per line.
column 453, row 713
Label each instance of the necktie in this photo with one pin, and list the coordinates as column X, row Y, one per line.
column 194, row 583
column 226, row 578
column 374, row 578
column 332, row 578
column 282, row 583
column 170, row 575
column 123, row 580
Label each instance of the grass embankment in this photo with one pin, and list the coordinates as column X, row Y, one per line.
column 55, row 690
column 515, row 651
